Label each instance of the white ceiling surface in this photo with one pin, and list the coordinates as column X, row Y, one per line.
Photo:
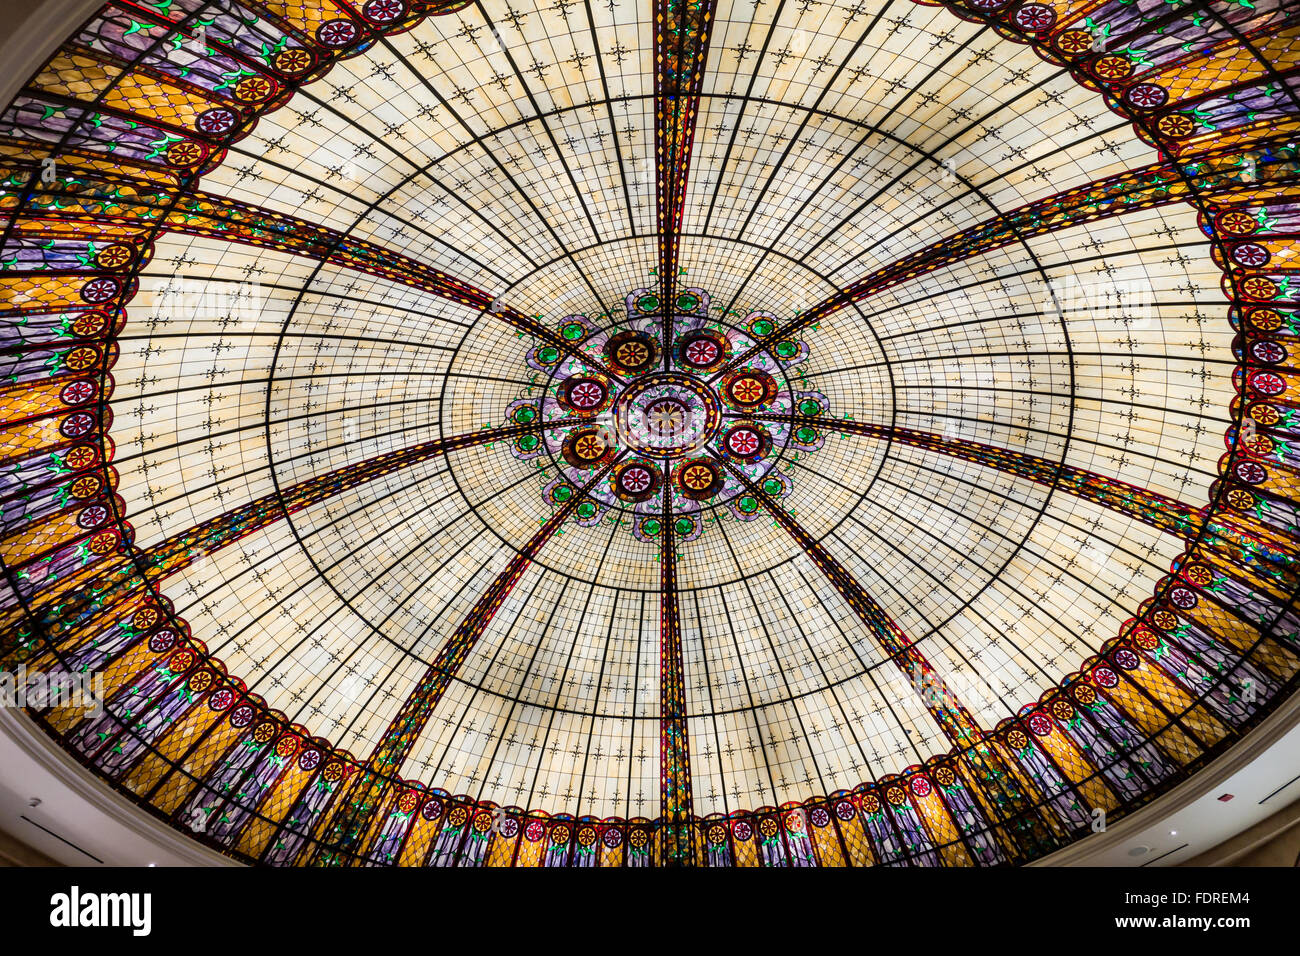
column 78, row 810
column 1191, row 819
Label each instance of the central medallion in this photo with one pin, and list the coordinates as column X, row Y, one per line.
column 667, row 415
column 703, row 431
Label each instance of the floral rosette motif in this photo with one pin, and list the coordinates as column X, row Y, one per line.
column 703, row 416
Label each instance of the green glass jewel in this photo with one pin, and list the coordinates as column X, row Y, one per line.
column 761, row 327
column 525, row 414
column 809, row 406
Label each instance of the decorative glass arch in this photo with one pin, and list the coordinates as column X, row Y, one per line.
column 772, row 356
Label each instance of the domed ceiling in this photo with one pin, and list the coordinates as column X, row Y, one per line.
column 627, row 433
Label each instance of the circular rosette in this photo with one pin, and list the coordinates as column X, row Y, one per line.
column 670, row 421
column 336, row 33
column 687, row 527
column 545, row 358
column 1267, row 320
column 87, row 324
column 1176, row 125
column 1264, row 414
column 692, row 301
column 1146, row 96
column 1267, row 384
column 668, row 415
column 293, row 61
column 588, row 447
column 522, row 412
column 635, row 481
column 641, row 303
column 1033, row 17
column 185, row 153
column 775, row 486
column 748, row 389
column 589, row 512
column 576, row 328
column 585, row 395
column 761, row 324
column 1265, row 351
column 383, row 12
column 216, row 122
column 698, row 479
column 811, row 404
column 1075, row 43
column 702, row 351
column 746, row 507
column 807, row 438
column 631, row 351
column 747, row 443
column 558, row 492
column 789, row 352
column 1236, row 222
column 116, row 256
column 1250, row 254
column 647, row 528
column 1112, row 67
column 98, row 291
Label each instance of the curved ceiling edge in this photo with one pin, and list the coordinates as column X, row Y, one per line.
column 1188, row 676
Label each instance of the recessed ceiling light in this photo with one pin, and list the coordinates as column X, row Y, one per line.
column 1173, row 833
column 1139, row 851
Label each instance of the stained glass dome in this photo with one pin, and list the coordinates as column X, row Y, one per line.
column 653, row 432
